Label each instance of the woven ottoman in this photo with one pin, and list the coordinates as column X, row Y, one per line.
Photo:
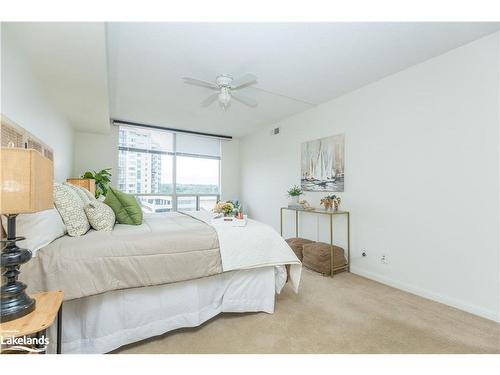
column 316, row 256
column 296, row 243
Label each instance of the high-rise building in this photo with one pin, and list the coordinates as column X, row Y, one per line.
column 146, row 168
column 139, row 171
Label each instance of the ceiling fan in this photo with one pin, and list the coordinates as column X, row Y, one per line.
column 226, row 87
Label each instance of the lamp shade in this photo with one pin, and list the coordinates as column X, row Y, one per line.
column 26, row 181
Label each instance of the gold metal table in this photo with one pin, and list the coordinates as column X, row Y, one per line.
column 331, row 214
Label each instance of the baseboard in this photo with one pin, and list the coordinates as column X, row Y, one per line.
column 484, row 313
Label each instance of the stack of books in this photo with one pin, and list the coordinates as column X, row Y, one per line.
column 230, row 220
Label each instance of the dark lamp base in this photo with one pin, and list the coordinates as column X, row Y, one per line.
column 16, row 307
column 15, row 303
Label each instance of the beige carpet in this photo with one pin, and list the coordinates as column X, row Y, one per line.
column 346, row 314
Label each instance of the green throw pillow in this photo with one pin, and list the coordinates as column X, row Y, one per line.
column 125, row 207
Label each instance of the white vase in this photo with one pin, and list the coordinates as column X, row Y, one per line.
column 294, row 199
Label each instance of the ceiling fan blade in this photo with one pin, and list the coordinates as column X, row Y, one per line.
column 247, row 79
column 245, row 100
column 199, row 82
column 212, row 98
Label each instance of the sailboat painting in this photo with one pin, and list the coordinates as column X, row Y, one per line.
column 322, row 164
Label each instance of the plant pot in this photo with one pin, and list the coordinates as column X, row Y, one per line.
column 294, row 199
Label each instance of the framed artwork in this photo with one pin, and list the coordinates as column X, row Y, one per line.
column 322, row 164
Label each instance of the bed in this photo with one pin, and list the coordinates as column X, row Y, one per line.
column 175, row 270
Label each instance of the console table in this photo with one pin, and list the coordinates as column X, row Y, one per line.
column 331, row 214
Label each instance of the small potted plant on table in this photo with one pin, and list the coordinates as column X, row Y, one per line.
column 102, row 180
column 294, row 193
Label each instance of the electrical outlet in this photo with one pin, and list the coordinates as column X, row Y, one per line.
column 384, row 259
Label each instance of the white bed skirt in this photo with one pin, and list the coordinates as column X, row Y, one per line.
column 104, row 322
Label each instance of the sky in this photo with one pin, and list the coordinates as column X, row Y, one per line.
column 191, row 170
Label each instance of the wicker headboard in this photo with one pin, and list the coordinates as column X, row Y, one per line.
column 12, row 133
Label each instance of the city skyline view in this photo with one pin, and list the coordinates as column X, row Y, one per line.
column 145, row 166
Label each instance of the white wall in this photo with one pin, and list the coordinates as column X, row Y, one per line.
column 98, row 151
column 94, row 152
column 230, row 170
column 422, row 176
column 24, row 102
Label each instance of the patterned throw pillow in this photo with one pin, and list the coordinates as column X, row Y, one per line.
column 70, row 207
column 100, row 215
column 86, row 199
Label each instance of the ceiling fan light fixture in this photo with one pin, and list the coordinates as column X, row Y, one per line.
column 224, row 97
column 223, row 80
column 225, row 84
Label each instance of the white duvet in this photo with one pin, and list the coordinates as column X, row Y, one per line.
column 254, row 253
column 252, row 246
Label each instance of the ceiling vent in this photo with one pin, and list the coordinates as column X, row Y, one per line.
column 275, row 131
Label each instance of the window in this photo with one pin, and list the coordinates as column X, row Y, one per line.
column 169, row 171
column 196, row 175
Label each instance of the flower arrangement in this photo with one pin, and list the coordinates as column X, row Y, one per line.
column 228, row 208
column 331, row 200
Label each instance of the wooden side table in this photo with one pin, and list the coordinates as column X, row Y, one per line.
column 87, row 183
column 48, row 306
column 331, row 214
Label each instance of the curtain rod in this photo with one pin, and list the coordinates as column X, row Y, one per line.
column 115, row 121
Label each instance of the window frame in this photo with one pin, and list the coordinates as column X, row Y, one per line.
column 174, row 154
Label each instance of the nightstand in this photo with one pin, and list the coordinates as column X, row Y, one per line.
column 48, row 306
column 87, row 183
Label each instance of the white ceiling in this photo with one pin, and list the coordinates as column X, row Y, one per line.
column 69, row 61
column 298, row 65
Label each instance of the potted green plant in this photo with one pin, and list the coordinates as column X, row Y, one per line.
column 294, row 193
column 102, row 180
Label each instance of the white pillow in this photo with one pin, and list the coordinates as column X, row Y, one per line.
column 70, row 207
column 39, row 228
column 87, row 193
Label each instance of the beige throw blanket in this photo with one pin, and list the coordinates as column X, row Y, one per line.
column 166, row 248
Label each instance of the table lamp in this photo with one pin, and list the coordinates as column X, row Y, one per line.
column 26, row 183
